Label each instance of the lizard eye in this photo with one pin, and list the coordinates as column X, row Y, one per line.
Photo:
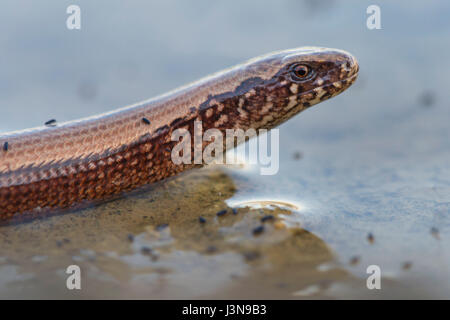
column 300, row 71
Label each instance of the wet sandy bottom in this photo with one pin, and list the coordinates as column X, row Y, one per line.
column 151, row 244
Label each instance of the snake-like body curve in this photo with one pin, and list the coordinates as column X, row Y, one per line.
column 59, row 166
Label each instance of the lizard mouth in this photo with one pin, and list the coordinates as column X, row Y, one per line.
column 337, row 86
column 325, row 92
column 347, row 82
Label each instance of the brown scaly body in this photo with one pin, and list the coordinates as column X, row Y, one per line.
column 57, row 167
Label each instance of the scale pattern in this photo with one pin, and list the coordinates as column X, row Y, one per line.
column 57, row 167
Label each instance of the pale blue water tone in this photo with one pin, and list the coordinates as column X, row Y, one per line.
column 375, row 159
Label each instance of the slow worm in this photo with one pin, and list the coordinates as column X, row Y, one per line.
column 93, row 158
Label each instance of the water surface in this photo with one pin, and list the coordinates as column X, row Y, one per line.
column 374, row 160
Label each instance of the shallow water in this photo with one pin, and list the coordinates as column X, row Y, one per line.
column 372, row 161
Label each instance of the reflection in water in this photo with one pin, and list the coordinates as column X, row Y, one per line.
column 151, row 244
column 268, row 204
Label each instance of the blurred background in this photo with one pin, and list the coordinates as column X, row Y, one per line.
column 367, row 172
